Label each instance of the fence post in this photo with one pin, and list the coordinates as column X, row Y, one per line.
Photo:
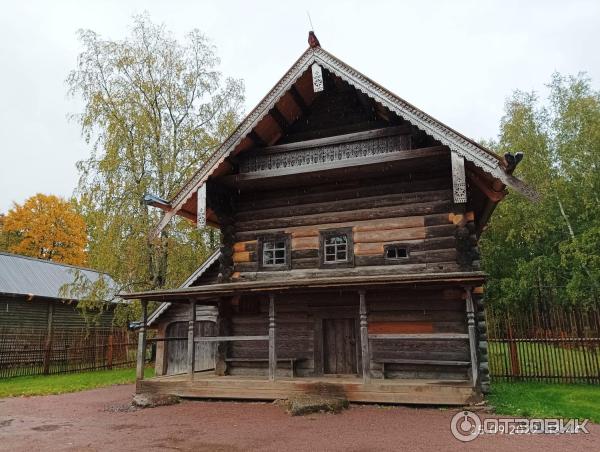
column 109, row 352
column 514, row 354
column 48, row 347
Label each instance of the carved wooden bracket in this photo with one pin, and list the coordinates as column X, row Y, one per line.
column 201, row 207
column 459, row 181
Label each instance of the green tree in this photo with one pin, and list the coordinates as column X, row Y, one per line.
column 154, row 110
column 549, row 249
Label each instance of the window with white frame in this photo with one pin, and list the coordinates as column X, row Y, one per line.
column 274, row 253
column 336, row 248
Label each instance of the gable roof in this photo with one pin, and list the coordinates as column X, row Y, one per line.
column 30, row 277
column 163, row 307
column 459, row 145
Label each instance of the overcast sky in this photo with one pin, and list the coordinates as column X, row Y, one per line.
column 457, row 60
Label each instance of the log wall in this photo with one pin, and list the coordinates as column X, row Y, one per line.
column 413, row 209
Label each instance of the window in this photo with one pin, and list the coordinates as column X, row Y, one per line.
column 396, row 252
column 337, row 248
column 274, row 252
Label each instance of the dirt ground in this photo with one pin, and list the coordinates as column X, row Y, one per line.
column 93, row 421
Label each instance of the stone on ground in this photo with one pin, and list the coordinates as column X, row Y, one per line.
column 151, row 400
column 299, row 406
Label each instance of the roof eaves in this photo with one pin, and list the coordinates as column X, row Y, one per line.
column 245, row 127
column 187, row 283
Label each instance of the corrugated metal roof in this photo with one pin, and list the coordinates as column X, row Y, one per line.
column 22, row 275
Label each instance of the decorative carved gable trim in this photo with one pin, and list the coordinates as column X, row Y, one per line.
column 456, row 142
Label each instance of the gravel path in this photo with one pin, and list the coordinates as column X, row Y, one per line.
column 94, row 421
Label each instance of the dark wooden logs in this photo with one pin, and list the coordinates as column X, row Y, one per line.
column 405, row 210
column 353, row 189
column 372, row 202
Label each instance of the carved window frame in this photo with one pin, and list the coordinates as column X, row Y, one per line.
column 327, row 233
column 277, row 237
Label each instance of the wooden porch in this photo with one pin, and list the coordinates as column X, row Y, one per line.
column 323, row 346
column 354, row 389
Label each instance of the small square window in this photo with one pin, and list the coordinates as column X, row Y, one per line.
column 274, row 252
column 395, row 252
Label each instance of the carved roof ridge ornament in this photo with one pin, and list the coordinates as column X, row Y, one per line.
column 313, row 41
column 474, row 153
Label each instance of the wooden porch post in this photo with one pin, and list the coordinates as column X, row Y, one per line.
column 224, row 329
column 191, row 345
column 272, row 352
column 141, row 352
column 472, row 336
column 364, row 338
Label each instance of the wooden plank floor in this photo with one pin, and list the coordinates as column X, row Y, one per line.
column 208, row 385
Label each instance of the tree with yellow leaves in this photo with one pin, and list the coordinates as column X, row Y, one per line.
column 46, row 227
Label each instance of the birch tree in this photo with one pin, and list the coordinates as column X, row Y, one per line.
column 154, row 109
column 551, row 247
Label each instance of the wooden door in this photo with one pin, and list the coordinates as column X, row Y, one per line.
column 177, row 350
column 339, row 346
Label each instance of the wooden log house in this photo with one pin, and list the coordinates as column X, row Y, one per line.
column 349, row 262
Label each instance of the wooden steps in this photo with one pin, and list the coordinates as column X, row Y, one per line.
column 436, row 392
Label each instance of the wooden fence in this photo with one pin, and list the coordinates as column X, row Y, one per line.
column 551, row 344
column 35, row 352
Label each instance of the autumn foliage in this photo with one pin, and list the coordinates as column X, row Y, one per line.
column 46, row 227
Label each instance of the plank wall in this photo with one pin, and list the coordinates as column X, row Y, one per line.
column 299, row 331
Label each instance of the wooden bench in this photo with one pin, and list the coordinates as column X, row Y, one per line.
column 421, row 362
column 292, row 362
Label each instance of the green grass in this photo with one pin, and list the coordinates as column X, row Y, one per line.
column 62, row 383
column 544, row 359
column 543, row 400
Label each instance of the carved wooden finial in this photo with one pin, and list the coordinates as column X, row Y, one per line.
column 312, row 40
column 511, row 161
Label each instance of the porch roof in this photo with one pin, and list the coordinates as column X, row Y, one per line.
column 206, row 292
